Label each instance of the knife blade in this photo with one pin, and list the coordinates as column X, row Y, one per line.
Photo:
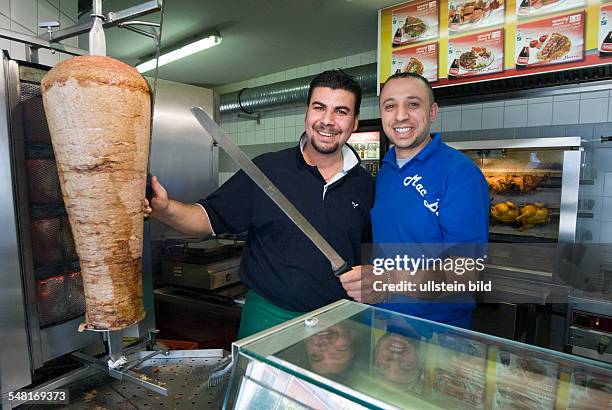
column 338, row 264
column 97, row 41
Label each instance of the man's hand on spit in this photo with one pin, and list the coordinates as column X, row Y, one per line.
column 159, row 200
column 190, row 219
column 359, row 284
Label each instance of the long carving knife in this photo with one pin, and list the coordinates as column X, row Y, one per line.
column 338, row 264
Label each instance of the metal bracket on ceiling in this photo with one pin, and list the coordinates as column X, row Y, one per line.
column 255, row 116
column 111, row 19
column 153, row 33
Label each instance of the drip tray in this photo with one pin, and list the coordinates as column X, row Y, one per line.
column 185, row 374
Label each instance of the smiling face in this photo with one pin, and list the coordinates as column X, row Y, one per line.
column 331, row 351
column 396, row 359
column 330, row 119
column 407, row 113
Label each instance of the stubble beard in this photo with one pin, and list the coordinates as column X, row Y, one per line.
column 329, row 149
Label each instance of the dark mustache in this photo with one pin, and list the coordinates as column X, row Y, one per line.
column 327, row 129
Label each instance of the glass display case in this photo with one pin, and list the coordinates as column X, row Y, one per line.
column 350, row 355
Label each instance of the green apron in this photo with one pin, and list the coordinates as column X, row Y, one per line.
column 258, row 314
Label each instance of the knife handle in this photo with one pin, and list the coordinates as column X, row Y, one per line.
column 149, row 190
column 342, row 269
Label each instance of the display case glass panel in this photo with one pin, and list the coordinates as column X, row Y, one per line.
column 350, row 355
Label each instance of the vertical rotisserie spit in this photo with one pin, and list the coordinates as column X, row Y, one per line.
column 99, row 113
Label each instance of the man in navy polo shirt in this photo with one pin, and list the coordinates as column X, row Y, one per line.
column 286, row 274
column 427, row 194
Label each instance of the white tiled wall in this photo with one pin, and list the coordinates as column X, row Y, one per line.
column 574, row 108
column 23, row 16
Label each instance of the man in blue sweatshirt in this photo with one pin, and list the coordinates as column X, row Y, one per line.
column 429, row 197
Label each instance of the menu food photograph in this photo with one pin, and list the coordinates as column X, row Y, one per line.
column 529, row 8
column 466, row 15
column 476, row 54
column 422, row 60
column 415, row 22
column 554, row 40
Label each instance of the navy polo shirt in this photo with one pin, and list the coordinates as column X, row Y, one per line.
column 439, row 197
column 279, row 262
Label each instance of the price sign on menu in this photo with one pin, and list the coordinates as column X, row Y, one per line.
column 422, row 60
column 481, row 40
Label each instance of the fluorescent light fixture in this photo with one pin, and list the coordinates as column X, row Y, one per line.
column 210, row 41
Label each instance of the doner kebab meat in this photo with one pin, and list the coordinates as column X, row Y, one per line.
column 99, row 113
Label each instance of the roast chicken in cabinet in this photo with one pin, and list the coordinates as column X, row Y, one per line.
column 518, row 183
column 505, row 211
column 528, row 216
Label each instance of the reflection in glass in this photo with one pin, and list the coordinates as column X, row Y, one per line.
column 396, row 358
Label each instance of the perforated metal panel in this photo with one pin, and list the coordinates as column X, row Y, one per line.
column 43, row 182
column 59, row 285
column 34, row 119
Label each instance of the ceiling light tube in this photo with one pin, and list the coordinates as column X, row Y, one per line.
column 187, row 50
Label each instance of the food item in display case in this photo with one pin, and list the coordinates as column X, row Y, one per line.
column 505, row 211
column 99, row 114
column 414, row 66
column 475, row 59
column 557, row 46
column 532, row 215
column 521, row 183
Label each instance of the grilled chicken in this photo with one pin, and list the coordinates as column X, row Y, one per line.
column 505, row 211
column 532, row 215
column 523, row 183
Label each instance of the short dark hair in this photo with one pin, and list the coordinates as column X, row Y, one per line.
column 417, row 77
column 337, row 80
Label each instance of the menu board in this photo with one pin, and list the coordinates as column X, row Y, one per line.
column 461, row 41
